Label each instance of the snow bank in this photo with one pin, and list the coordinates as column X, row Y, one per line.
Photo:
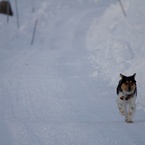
column 118, row 44
column 47, row 96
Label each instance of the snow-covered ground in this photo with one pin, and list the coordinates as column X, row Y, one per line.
column 119, row 41
column 61, row 89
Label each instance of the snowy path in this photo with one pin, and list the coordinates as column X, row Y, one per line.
column 48, row 96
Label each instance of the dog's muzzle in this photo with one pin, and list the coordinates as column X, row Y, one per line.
column 129, row 88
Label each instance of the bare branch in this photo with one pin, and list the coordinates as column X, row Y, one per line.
column 34, row 31
column 123, row 10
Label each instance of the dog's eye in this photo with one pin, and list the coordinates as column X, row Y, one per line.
column 131, row 83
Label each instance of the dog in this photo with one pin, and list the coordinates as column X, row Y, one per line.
column 127, row 94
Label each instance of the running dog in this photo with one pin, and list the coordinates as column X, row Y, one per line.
column 127, row 94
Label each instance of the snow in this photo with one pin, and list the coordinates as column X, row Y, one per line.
column 61, row 89
column 121, row 38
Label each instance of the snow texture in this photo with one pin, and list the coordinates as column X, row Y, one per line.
column 61, row 89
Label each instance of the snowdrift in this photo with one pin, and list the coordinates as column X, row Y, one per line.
column 61, row 89
column 117, row 44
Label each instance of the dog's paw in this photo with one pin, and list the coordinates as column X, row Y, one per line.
column 129, row 121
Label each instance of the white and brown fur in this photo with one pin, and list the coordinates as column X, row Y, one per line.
column 127, row 93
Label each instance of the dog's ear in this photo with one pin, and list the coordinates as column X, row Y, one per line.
column 134, row 75
column 121, row 76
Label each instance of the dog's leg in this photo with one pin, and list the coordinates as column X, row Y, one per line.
column 120, row 104
column 125, row 109
column 130, row 117
column 131, row 111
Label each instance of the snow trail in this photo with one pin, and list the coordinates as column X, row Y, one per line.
column 48, row 96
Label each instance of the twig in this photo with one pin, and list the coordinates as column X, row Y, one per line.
column 121, row 5
column 17, row 13
column 34, row 31
column 8, row 9
column 33, row 8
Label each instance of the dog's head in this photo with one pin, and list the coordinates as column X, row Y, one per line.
column 128, row 84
